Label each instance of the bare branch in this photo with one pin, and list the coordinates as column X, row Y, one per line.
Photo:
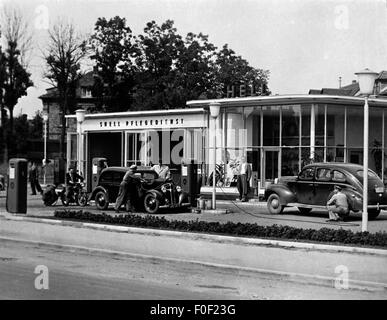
column 16, row 29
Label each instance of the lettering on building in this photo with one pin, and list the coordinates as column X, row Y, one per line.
column 141, row 123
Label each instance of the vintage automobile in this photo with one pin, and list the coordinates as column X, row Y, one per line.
column 153, row 194
column 314, row 186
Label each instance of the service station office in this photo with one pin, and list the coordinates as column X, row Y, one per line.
column 277, row 134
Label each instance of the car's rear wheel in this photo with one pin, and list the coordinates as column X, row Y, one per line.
column 274, row 205
column 101, row 200
column 151, row 203
column 304, row 210
column 373, row 213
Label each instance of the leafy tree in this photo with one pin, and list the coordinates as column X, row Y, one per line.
column 162, row 69
column 20, row 136
column 66, row 49
column 160, row 47
column 36, row 126
column 195, row 68
column 232, row 69
column 17, row 80
column 14, row 76
column 114, row 50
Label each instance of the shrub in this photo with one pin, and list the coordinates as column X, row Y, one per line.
column 326, row 235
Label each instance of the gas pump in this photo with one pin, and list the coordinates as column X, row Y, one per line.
column 16, row 201
column 98, row 164
column 190, row 180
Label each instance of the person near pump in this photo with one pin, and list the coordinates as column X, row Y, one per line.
column 162, row 170
column 33, row 176
column 72, row 178
column 128, row 190
column 337, row 205
column 244, row 176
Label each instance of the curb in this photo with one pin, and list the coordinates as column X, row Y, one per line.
column 202, row 236
column 288, row 276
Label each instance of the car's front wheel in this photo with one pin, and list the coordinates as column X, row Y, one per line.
column 373, row 213
column 151, row 203
column 274, row 204
column 101, row 200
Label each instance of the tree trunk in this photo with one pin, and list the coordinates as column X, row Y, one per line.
column 62, row 145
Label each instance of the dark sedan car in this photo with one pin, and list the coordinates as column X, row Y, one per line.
column 153, row 193
column 314, row 186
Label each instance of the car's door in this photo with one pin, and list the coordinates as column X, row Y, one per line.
column 303, row 187
column 114, row 186
column 323, row 185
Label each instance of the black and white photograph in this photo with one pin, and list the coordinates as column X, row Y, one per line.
column 202, row 151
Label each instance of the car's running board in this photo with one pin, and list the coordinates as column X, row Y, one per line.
column 310, row 206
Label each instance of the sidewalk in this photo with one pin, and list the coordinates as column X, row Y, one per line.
column 366, row 270
column 250, row 212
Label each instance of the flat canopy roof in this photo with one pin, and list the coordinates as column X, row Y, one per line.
column 162, row 112
column 288, row 99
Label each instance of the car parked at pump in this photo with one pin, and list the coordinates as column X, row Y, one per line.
column 154, row 193
column 314, row 186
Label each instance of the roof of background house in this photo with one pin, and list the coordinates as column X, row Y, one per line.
column 86, row 80
column 50, row 93
column 348, row 90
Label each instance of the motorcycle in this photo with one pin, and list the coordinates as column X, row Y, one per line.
column 78, row 195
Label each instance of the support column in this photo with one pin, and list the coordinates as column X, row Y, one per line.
column 312, row 131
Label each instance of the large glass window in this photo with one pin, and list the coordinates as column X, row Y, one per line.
column 271, row 125
column 355, row 121
column 305, row 113
column 319, row 124
column 375, row 140
column 335, row 133
column 291, row 125
column 289, row 161
column 135, row 148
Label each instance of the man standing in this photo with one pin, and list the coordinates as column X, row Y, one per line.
column 337, row 205
column 244, row 175
column 162, row 170
column 127, row 190
column 34, row 179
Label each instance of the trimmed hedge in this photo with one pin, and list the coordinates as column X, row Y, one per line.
column 326, row 235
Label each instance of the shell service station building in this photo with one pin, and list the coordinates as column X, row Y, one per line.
column 277, row 134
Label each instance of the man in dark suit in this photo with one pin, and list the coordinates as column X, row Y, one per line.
column 34, row 179
column 244, row 176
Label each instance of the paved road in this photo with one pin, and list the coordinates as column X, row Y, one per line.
column 241, row 212
column 204, row 265
column 75, row 275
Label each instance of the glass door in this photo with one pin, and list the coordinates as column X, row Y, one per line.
column 135, row 151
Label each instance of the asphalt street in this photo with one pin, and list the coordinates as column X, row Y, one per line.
column 75, row 275
column 240, row 212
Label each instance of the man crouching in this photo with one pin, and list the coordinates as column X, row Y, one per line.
column 337, row 205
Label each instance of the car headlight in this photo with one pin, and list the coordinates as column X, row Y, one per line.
column 178, row 188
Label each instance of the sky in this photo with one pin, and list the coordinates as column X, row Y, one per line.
column 304, row 44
